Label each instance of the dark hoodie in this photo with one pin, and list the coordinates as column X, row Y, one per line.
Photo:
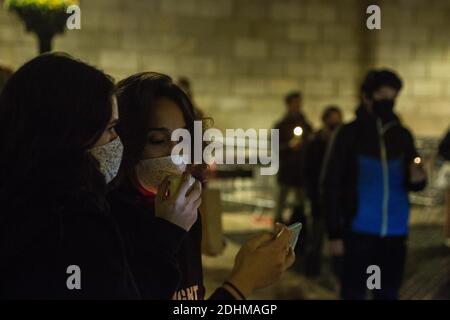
column 444, row 147
column 131, row 255
column 291, row 161
column 169, row 265
column 365, row 180
column 42, row 236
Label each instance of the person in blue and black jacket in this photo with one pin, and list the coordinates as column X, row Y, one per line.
column 370, row 166
column 444, row 147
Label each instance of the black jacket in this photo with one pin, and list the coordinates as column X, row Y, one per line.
column 313, row 163
column 444, row 147
column 291, row 167
column 165, row 259
column 130, row 255
column 364, row 160
column 42, row 237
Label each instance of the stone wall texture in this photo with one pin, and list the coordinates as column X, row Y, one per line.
column 244, row 55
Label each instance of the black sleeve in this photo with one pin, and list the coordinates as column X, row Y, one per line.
column 221, row 294
column 154, row 262
column 65, row 250
column 94, row 245
column 44, row 270
column 309, row 129
column 283, row 137
column 444, row 147
column 160, row 234
column 152, row 244
column 332, row 182
column 411, row 153
column 312, row 166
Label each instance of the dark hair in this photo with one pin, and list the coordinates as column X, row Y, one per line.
column 52, row 110
column 185, row 84
column 5, row 74
column 291, row 96
column 329, row 110
column 375, row 79
column 136, row 96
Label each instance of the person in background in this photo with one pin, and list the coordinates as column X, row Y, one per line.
column 5, row 74
column 444, row 147
column 152, row 107
column 370, row 166
column 295, row 131
column 331, row 120
column 444, row 152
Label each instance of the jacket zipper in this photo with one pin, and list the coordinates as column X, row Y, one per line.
column 385, row 168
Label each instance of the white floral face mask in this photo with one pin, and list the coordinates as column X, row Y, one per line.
column 151, row 172
column 109, row 157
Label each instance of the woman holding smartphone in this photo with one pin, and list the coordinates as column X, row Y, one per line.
column 151, row 108
column 59, row 149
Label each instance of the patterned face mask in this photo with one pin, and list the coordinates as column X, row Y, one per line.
column 151, row 172
column 109, row 157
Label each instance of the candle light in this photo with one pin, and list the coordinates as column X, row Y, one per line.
column 417, row 160
column 298, row 131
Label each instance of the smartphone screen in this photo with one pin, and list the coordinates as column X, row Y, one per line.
column 295, row 228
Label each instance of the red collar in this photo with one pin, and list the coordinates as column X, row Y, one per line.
column 145, row 192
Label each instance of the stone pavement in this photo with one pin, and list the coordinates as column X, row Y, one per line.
column 427, row 274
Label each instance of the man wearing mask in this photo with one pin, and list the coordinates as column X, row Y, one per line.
column 444, row 152
column 295, row 131
column 370, row 166
column 331, row 119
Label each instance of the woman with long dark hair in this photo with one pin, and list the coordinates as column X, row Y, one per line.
column 151, row 108
column 58, row 151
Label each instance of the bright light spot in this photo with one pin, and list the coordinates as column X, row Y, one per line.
column 298, row 131
column 417, row 160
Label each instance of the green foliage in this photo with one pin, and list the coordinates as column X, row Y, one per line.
column 42, row 5
column 43, row 17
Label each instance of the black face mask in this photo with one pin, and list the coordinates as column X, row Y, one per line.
column 383, row 108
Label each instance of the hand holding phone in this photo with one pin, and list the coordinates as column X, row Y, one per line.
column 295, row 229
column 417, row 173
column 178, row 199
column 174, row 183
